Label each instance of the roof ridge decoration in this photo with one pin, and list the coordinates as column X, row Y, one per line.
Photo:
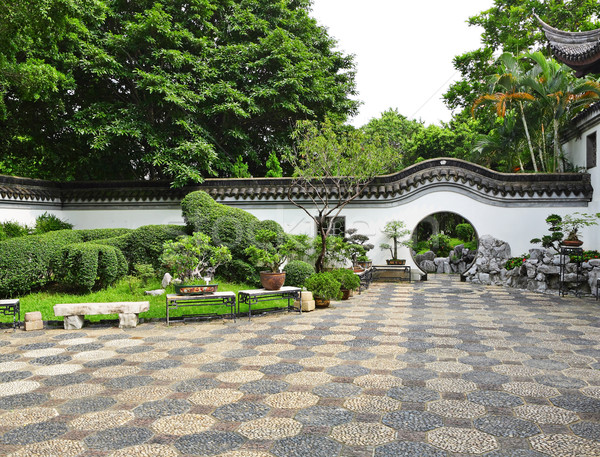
column 478, row 182
column 578, row 50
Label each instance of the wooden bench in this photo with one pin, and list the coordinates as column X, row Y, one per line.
column 75, row 312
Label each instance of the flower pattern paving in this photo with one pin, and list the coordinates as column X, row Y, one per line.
column 471, row 370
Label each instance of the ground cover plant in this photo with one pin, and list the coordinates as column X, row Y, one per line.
column 123, row 290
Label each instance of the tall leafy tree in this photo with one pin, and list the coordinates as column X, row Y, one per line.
column 178, row 89
column 509, row 26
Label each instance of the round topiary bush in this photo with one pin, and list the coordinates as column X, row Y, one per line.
column 297, row 272
column 324, row 286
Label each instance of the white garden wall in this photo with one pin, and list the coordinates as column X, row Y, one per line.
column 509, row 207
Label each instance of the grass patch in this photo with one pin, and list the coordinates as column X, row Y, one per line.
column 124, row 291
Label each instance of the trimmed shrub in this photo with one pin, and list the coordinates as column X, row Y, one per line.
column 25, row 262
column 348, row 280
column 46, row 222
column 87, row 266
column 103, row 233
column 324, row 286
column 297, row 272
column 144, row 245
column 231, row 227
column 242, row 272
column 465, row 232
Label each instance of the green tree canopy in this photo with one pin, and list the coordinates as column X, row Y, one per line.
column 510, row 26
column 97, row 89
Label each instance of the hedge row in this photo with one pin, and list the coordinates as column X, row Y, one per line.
column 25, row 262
column 29, row 263
column 87, row 266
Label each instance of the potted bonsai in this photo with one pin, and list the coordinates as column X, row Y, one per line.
column 395, row 230
column 571, row 223
column 348, row 281
column 358, row 248
column 272, row 251
column 325, row 287
column 190, row 258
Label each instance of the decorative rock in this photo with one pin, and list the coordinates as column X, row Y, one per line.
column 166, row 280
column 155, row 292
column 128, row 320
column 73, row 322
column 428, row 266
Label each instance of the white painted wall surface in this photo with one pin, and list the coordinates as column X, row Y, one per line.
column 515, row 225
column 575, row 150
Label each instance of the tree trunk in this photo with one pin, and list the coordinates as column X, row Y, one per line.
column 556, row 147
column 321, row 257
column 533, row 161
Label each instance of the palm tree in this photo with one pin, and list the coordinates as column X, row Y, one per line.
column 510, row 82
column 558, row 93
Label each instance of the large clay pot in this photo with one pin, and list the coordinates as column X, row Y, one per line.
column 345, row 294
column 272, row 281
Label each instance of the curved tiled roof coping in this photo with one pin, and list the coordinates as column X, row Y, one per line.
column 578, row 50
column 462, row 176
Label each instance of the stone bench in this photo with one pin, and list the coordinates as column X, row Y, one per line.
column 75, row 312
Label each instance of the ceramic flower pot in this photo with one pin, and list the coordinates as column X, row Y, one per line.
column 272, row 281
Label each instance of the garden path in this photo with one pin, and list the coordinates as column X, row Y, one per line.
column 437, row 368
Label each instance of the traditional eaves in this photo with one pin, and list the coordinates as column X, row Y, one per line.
column 578, row 50
column 480, row 182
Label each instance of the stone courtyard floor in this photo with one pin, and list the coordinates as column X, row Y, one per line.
column 439, row 368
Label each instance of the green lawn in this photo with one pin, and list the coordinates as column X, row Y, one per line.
column 44, row 301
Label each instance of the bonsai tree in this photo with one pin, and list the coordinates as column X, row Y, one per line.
column 324, row 286
column 273, row 249
column 395, row 230
column 571, row 223
column 357, row 246
column 193, row 257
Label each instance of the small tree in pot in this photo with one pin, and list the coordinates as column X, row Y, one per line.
column 395, row 230
column 272, row 251
column 325, row 287
column 348, row 281
column 190, row 258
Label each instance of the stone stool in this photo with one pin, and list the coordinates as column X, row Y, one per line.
column 308, row 303
column 33, row 321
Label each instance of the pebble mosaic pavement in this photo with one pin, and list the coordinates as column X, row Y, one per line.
column 432, row 369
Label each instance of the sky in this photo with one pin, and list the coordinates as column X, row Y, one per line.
column 403, row 50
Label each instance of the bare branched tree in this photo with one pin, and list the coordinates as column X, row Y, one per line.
column 332, row 167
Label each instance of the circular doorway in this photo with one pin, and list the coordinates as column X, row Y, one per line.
column 444, row 242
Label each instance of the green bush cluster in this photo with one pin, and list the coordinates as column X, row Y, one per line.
column 46, row 222
column 440, row 244
column 347, row 279
column 465, row 232
column 28, row 263
column 324, row 286
column 25, row 262
column 87, row 266
column 297, row 272
column 231, row 227
column 12, row 229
